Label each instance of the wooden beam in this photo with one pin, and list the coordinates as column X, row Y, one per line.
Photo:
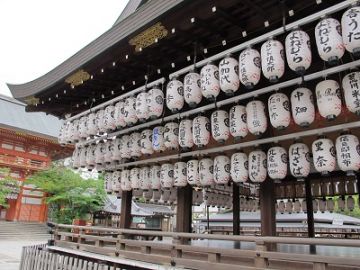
column 184, row 209
column 125, row 216
column 267, row 208
column 236, row 209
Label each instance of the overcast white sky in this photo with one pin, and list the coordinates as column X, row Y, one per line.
column 37, row 35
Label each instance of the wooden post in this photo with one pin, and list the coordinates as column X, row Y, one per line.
column 267, row 208
column 184, row 210
column 236, row 209
column 125, row 215
column 310, row 213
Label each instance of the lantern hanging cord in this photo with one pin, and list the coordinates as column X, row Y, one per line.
column 282, row 4
column 195, row 54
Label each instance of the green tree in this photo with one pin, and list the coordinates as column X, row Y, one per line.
column 7, row 186
column 69, row 196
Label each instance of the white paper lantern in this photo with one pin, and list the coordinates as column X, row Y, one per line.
column 351, row 86
column 61, row 136
column 75, row 131
column 328, row 98
column 220, row 126
column 167, row 176
column 324, row 155
column 192, row 172
column 185, row 134
column 120, row 114
column 99, row 153
column 142, row 111
column 135, row 178
column 92, row 128
column 90, row 156
column 135, row 145
column 229, row 75
column 237, row 120
column 76, row 158
column 255, row 117
column 239, row 167
column 257, row 166
column 125, row 147
column 108, row 182
column 348, row 153
column 272, row 60
column 192, row 89
column 281, row 207
column 302, row 105
column 249, row 67
column 145, row 182
column 289, row 206
column 109, row 118
column 279, row 111
column 328, row 40
column 83, row 130
column 155, row 171
column 210, row 85
column 146, row 142
column 158, row 141
column 201, row 131
column 100, row 121
column 221, row 169
column 175, row 95
column 299, row 160
column 125, row 180
column 155, row 101
column 109, row 149
column 130, row 111
column 180, row 179
column 277, row 160
column 206, row 172
column 298, row 51
column 116, row 154
column 67, row 132
column 350, row 23
column 171, row 135
column 116, row 179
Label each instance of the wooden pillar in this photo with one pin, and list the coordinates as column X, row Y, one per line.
column 236, row 209
column 310, row 213
column 267, row 208
column 184, row 209
column 125, row 215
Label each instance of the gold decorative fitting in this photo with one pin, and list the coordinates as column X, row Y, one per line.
column 32, row 100
column 148, row 37
column 77, row 78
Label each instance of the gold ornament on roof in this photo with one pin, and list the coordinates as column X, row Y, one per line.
column 77, row 78
column 148, row 37
column 31, row 100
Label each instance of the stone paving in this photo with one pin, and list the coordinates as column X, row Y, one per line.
column 10, row 252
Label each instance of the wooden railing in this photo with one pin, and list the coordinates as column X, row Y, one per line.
column 210, row 251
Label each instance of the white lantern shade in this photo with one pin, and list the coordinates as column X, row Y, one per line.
column 192, row 172
column 83, row 130
column 158, row 141
column 135, row 145
column 99, row 153
column 116, row 154
column 155, row 172
column 302, row 105
column 145, row 182
column 229, row 75
column 350, row 23
column 171, row 135
column 239, row 168
column 155, row 101
column 185, row 134
column 180, row 179
column 167, row 176
column 135, row 178
column 142, row 111
column 92, row 124
column 175, row 95
column 130, row 111
column 192, row 89
column 206, row 172
column 201, row 131
column 249, row 67
column 120, row 114
column 237, row 120
column 109, row 149
column 221, row 170
column 210, row 85
column 90, row 156
column 351, row 87
column 109, row 118
column 116, row 179
column 277, row 160
column 272, row 60
column 220, row 126
column 125, row 180
column 125, row 147
column 299, row 160
column 100, row 121
column 328, row 98
column 61, row 136
column 108, row 181
column 324, row 155
column 348, row 153
column 298, row 51
column 329, row 41
column 257, row 166
column 146, row 142
column 75, row 131
column 255, row 117
column 76, row 158
column 279, row 111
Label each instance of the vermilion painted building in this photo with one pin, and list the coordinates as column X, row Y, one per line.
column 28, row 143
